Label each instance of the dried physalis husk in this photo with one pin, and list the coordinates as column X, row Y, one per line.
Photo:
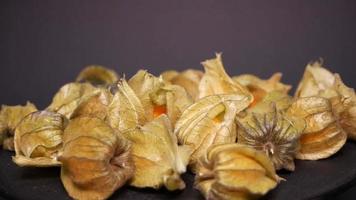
column 10, row 116
column 344, row 106
column 319, row 81
column 96, row 160
column 209, row 121
column 315, row 80
column 69, row 96
column 323, row 135
column 189, row 79
column 169, row 75
column 94, row 106
column 217, row 81
column 125, row 110
column 259, row 87
column 234, row 171
column 38, row 139
column 159, row 97
column 269, row 130
column 97, row 75
column 281, row 100
column 158, row 159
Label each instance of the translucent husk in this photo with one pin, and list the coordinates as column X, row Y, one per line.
column 323, row 135
column 267, row 128
column 259, row 87
column 69, row 96
column 38, row 139
column 10, row 116
column 97, row 75
column 209, row 121
column 235, row 171
column 159, row 97
column 96, row 160
column 189, row 79
column 125, row 110
column 344, row 106
column 318, row 81
column 158, row 159
column 94, row 106
column 217, row 81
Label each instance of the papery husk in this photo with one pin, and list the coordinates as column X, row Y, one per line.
column 323, row 135
column 94, row 106
column 209, row 121
column 189, row 79
column 97, row 75
column 158, row 159
column 217, row 81
column 260, row 87
column 96, row 160
column 159, row 97
column 177, row 100
column 267, row 128
column 69, row 96
column 144, row 86
column 344, row 107
column 235, row 171
column 318, row 81
column 281, row 100
column 125, row 110
column 38, row 139
column 10, row 116
column 169, row 75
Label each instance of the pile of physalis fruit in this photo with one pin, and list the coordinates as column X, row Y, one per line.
column 233, row 133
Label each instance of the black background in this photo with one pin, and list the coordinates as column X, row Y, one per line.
column 44, row 44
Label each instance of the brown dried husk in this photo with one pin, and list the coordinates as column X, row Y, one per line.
column 97, row 75
column 159, row 160
column 323, row 135
column 38, row 139
column 10, row 116
column 96, row 160
column 94, row 106
column 234, row 171
column 268, row 129
column 209, row 121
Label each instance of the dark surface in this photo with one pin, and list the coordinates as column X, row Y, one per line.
column 43, row 44
column 312, row 179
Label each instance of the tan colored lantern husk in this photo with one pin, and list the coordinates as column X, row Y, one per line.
column 158, row 159
column 323, row 135
column 217, row 81
column 209, row 121
column 38, row 139
column 69, row 96
column 189, row 79
column 96, row 160
column 318, row 81
column 260, row 87
column 10, row 116
column 235, row 171
column 97, row 75
column 159, row 97
column 268, row 129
